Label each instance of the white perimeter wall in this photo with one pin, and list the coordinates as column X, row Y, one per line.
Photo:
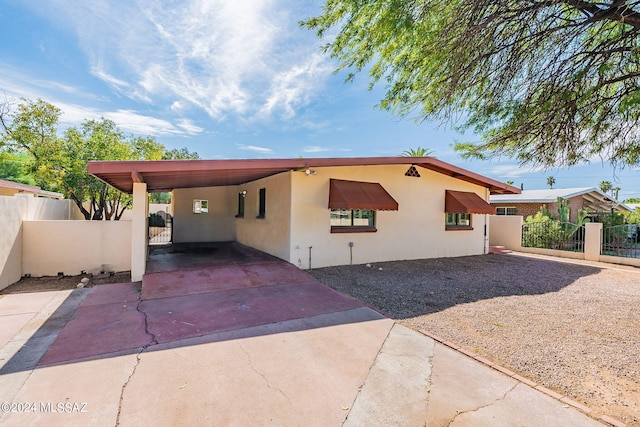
column 70, row 247
column 415, row 231
column 12, row 211
column 15, row 210
column 216, row 226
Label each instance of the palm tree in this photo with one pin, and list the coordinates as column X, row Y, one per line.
column 605, row 186
column 416, row 152
column 551, row 181
column 615, row 191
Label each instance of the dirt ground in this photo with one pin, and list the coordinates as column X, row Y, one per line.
column 40, row 284
column 573, row 328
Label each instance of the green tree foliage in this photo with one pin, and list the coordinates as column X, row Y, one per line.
column 551, row 181
column 546, row 230
column 59, row 163
column 551, row 83
column 605, row 186
column 416, row 152
column 632, row 200
column 14, row 167
column 180, row 154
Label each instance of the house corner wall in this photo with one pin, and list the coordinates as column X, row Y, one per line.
column 271, row 234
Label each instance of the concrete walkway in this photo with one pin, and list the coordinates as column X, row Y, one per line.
column 255, row 344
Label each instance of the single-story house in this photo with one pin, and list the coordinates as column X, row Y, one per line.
column 314, row 212
column 10, row 188
column 528, row 202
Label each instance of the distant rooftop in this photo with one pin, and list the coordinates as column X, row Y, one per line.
column 25, row 188
column 544, row 195
column 595, row 198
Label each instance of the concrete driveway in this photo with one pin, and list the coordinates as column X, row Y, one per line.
column 251, row 342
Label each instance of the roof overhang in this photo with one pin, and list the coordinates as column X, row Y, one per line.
column 359, row 195
column 166, row 175
column 466, row 202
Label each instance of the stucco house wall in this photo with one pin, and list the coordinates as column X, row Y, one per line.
column 270, row 234
column 416, row 230
column 218, row 225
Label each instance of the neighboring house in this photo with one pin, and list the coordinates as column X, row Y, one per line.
column 10, row 188
column 315, row 212
column 528, row 202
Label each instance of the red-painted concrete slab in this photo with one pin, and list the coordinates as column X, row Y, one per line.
column 266, row 274
column 220, row 278
column 113, row 293
column 96, row 330
column 188, row 316
column 188, row 282
column 253, row 290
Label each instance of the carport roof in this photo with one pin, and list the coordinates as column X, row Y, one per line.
column 166, row 175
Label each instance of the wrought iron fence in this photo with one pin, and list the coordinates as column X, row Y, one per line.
column 160, row 228
column 621, row 240
column 563, row 236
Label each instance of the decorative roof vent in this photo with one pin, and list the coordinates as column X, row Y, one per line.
column 412, row 172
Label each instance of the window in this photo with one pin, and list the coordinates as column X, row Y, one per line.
column 200, row 206
column 241, row 196
column 262, row 202
column 505, row 211
column 353, row 220
column 458, row 221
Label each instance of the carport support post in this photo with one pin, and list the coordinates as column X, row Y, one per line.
column 139, row 234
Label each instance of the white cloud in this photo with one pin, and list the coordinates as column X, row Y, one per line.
column 189, row 127
column 315, row 149
column 261, row 150
column 293, row 87
column 128, row 121
column 512, row 171
column 247, row 58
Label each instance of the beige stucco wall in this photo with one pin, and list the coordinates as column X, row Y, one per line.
column 216, row 226
column 39, row 208
column 505, row 230
column 415, row 231
column 271, row 233
column 12, row 211
column 50, row 247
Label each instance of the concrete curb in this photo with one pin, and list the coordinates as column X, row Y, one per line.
column 564, row 399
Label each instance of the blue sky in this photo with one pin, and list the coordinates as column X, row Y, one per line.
column 228, row 79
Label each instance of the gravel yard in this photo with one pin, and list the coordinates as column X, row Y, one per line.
column 573, row 328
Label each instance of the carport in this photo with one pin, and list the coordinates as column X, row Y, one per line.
column 297, row 193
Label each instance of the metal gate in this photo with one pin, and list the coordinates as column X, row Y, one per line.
column 160, row 228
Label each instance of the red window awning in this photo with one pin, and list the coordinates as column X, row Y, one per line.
column 466, row 202
column 359, row 195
